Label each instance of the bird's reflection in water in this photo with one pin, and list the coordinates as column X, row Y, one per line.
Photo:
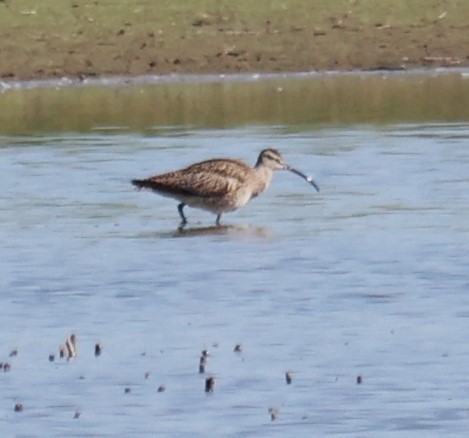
column 234, row 232
column 224, row 230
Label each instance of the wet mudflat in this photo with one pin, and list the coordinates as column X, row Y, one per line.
column 367, row 278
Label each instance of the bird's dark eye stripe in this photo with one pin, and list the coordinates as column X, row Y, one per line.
column 273, row 158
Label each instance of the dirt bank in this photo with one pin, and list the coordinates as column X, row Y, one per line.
column 106, row 37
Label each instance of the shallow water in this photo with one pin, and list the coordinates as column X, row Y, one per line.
column 368, row 277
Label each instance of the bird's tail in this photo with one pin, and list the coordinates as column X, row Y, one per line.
column 141, row 183
column 150, row 184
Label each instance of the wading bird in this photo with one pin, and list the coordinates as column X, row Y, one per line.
column 219, row 185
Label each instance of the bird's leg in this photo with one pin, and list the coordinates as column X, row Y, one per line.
column 217, row 222
column 181, row 213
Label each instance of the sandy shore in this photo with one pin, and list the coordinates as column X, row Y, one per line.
column 79, row 39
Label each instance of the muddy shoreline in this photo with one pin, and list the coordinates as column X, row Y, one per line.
column 82, row 40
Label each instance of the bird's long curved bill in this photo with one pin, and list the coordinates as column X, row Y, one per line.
column 305, row 177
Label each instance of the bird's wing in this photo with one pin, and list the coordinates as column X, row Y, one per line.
column 213, row 178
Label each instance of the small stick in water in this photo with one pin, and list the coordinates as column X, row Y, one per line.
column 209, row 384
